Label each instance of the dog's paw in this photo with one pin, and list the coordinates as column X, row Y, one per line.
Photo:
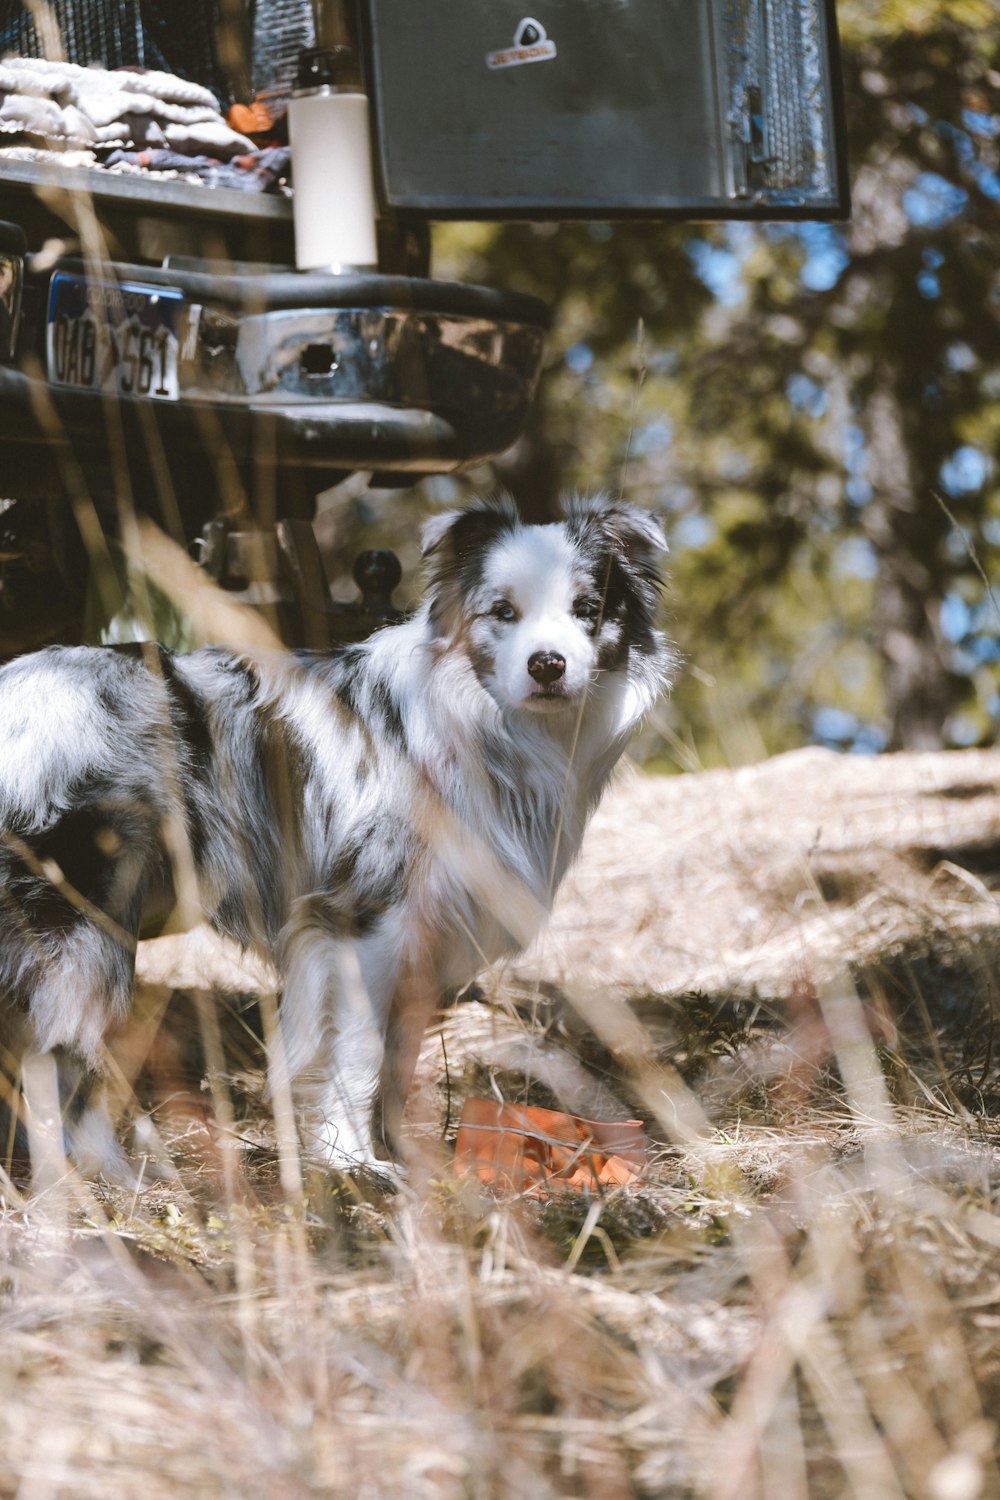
column 382, row 1177
column 343, row 1151
column 367, row 1169
column 96, row 1152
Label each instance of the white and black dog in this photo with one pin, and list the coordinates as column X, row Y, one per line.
column 381, row 821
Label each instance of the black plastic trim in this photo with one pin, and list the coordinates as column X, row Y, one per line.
column 284, row 290
column 12, row 239
column 323, row 435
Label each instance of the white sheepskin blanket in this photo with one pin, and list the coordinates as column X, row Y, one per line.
column 57, row 102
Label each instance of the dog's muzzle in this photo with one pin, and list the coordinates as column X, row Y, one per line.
column 546, row 667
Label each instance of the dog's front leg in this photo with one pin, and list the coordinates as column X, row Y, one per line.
column 66, row 1111
column 330, row 1044
column 416, row 997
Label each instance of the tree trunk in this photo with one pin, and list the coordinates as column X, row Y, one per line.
column 908, row 530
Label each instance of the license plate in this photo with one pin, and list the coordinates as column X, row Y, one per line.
column 114, row 336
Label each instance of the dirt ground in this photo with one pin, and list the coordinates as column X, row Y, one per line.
column 788, row 973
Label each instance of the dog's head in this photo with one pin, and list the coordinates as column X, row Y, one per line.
column 544, row 612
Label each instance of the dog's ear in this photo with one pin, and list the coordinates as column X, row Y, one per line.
column 435, row 530
column 453, row 545
column 637, row 535
column 456, row 533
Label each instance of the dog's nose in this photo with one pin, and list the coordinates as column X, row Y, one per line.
column 546, row 666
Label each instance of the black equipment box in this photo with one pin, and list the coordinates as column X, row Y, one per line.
column 596, row 109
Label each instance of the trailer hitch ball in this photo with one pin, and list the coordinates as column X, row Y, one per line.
column 377, row 573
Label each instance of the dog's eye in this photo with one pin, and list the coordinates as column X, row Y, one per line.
column 587, row 610
column 503, row 610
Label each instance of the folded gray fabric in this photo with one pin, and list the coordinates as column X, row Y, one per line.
column 258, row 172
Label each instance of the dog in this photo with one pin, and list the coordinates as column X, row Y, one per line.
column 381, row 821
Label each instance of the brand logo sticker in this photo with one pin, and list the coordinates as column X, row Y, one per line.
column 531, row 44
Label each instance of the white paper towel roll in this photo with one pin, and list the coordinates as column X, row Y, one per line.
column 334, row 200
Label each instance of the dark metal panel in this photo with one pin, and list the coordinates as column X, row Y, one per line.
column 607, row 108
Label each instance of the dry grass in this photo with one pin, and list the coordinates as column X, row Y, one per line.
column 799, row 1300
column 789, row 971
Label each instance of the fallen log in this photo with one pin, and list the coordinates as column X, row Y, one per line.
column 740, row 883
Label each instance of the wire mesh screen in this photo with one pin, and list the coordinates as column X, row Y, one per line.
column 778, row 97
column 786, row 138
column 281, row 29
column 107, row 31
column 174, row 35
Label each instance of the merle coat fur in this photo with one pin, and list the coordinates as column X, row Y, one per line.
column 381, row 821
